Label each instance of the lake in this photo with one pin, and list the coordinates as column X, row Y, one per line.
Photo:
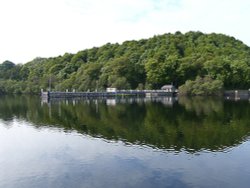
column 124, row 142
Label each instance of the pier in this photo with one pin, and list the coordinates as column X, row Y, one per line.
column 141, row 93
column 229, row 94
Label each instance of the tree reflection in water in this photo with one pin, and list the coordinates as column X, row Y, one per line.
column 191, row 124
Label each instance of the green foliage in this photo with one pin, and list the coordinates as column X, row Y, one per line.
column 87, row 77
column 202, row 86
column 147, row 63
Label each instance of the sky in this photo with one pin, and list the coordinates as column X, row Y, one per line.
column 48, row 28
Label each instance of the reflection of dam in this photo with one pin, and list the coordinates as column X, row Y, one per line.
column 167, row 101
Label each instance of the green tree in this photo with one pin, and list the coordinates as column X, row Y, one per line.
column 202, row 86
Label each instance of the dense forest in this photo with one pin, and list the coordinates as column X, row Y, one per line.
column 181, row 59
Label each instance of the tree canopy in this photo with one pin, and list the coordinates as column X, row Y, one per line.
column 146, row 63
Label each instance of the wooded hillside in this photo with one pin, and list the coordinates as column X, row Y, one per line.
column 147, row 63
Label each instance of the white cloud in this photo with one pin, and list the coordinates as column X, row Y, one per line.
column 31, row 28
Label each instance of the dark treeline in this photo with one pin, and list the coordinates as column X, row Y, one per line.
column 176, row 58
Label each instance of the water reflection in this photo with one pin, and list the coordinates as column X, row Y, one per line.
column 190, row 124
column 168, row 101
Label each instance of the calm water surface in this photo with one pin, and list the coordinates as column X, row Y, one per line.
column 124, row 143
